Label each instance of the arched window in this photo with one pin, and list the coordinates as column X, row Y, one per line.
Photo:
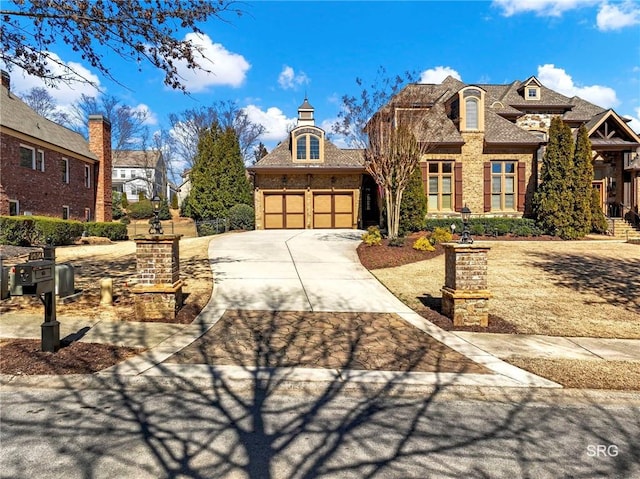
column 471, row 105
column 307, row 145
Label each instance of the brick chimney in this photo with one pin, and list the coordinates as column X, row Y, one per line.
column 6, row 79
column 100, row 145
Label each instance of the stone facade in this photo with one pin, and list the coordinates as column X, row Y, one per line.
column 465, row 295
column 158, row 294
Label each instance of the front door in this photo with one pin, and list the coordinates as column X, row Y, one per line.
column 370, row 210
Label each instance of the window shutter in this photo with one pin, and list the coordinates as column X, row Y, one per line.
column 457, row 174
column 522, row 187
column 487, row 186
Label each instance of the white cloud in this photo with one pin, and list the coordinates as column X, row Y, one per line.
column 552, row 8
column 288, row 79
column 634, row 124
column 437, row 74
column 273, row 119
column 559, row 80
column 151, row 118
column 615, row 17
column 225, row 67
column 63, row 94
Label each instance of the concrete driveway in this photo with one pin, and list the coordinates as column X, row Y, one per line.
column 296, row 270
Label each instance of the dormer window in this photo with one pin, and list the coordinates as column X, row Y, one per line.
column 533, row 93
column 307, row 144
column 473, row 115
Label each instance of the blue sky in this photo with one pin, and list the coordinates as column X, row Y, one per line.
column 270, row 57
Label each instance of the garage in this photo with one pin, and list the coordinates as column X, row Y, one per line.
column 333, row 210
column 284, row 210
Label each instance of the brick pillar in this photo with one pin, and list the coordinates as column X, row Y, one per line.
column 100, row 145
column 465, row 297
column 158, row 294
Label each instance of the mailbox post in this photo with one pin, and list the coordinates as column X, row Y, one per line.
column 36, row 277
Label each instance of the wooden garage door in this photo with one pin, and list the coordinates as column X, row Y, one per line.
column 283, row 210
column 333, row 210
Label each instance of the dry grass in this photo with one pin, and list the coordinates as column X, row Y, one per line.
column 577, row 288
column 584, row 374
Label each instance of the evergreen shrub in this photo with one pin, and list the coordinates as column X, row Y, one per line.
column 241, row 217
column 372, row 237
column 423, row 244
column 441, row 235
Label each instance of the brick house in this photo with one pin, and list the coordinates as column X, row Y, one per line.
column 486, row 144
column 49, row 170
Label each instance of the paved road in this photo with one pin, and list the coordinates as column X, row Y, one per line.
column 158, row 431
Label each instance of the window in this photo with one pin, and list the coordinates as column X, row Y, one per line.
column 27, row 157
column 64, row 169
column 87, row 176
column 40, row 160
column 307, row 144
column 503, row 185
column 440, row 186
column 532, row 93
column 65, row 212
column 87, row 214
column 14, row 207
column 471, row 105
column 123, row 173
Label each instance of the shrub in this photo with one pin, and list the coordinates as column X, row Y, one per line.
column 141, row 210
column 125, row 220
column 174, row 202
column 57, row 231
column 125, row 201
column 372, row 237
column 397, row 242
column 17, row 230
column 423, row 244
column 113, row 231
column 476, row 229
column 441, row 235
column 241, row 217
column 413, row 206
column 116, row 205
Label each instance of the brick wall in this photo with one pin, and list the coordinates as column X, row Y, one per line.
column 158, row 260
column 43, row 192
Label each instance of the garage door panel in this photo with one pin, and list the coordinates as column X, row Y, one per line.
column 294, row 203
column 295, row 221
column 343, row 204
column 322, row 203
column 273, row 204
column 273, row 221
column 322, row 220
column 343, row 220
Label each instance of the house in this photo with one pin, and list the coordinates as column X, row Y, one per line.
column 184, row 188
column 49, row 170
column 485, row 148
column 308, row 182
column 139, row 172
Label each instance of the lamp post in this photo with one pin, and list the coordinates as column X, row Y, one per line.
column 466, row 215
column 156, row 226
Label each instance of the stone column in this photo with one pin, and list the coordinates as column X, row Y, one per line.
column 158, row 293
column 465, row 297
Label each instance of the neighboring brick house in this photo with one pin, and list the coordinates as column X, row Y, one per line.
column 487, row 150
column 308, row 182
column 49, row 170
column 137, row 172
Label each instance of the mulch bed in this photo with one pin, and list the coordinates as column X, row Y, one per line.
column 385, row 256
column 24, row 357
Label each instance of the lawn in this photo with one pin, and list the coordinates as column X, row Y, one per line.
column 559, row 288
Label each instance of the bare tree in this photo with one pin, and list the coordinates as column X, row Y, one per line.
column 40, row 100
column 128, row 128
column 141, row 31
column 189, row 125
column 391, row 137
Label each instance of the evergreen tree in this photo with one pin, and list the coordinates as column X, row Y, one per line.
column 582, row 178
column 598, row 219
column 413, row 206
column 553, row 204
column 218, row 177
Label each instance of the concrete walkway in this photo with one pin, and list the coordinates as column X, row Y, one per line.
column 315, row 270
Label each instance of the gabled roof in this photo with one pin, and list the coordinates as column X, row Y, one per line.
column 16, row 115
column 136, row 158
column 624, row 136
column 334, row 157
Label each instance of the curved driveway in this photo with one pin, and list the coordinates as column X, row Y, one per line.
column 296, row 270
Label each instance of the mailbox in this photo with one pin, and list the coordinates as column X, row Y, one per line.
column 31, row 278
